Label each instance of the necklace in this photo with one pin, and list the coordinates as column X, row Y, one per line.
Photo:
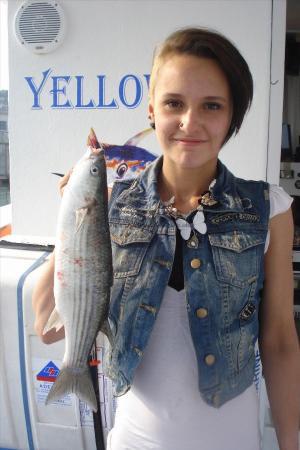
column 188, row 229
column 206, row 199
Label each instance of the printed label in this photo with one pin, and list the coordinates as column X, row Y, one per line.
column 86, row 415
column 44, row 379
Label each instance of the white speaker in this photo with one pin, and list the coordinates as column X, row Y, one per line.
column 40, row 25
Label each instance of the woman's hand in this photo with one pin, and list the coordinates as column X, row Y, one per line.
column 64, row 181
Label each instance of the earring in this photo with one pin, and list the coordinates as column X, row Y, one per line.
column 180, row 125
column 152, row 123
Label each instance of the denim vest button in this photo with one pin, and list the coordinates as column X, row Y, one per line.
column 201, row 313
column 195, row 263
column 210, row 360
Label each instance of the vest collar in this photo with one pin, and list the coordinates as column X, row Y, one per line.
column 224, row 191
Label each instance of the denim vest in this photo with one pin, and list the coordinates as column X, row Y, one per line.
column 223, row 279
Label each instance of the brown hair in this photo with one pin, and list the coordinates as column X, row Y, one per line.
column 204, row 43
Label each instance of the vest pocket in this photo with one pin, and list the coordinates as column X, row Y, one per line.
column 129, row 246
column 237, row 256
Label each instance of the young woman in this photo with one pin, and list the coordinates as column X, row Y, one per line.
column 202, row 269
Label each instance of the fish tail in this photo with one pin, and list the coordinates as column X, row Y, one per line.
column 74, row 381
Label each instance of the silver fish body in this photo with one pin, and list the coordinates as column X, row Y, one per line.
column 83, row 273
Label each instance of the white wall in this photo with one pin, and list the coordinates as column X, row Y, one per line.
column 116, row 38
column 3, row 46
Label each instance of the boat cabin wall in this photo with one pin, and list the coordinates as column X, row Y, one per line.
column 99, row 76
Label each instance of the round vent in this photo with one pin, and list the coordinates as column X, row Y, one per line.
column 40, row 26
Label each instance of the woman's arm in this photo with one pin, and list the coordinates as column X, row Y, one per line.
column 279, row 346
column 43, row 303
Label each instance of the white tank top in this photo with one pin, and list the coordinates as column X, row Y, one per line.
column 163, row 410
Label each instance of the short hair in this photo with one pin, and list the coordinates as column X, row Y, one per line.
column 204, row 43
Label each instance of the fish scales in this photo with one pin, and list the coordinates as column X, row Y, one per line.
column 83, row 273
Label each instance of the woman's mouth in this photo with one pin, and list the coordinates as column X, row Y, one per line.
column 190, row 141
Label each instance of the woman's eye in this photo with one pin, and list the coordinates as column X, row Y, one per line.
column 212, row 106
column 173, row 104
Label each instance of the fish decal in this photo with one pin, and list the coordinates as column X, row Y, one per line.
column 128, row 160
column 123, row 161
column 83, row 272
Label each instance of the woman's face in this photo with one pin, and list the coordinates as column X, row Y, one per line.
column 192, row 110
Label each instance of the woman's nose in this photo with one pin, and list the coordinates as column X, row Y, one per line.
column 191, row 121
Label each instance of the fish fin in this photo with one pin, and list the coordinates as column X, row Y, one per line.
column 92, row 140
column 76, row 382
column 105, row 328
column 80, row 216
column 134, row 140
column 54, row 321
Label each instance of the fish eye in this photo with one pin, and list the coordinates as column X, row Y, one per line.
column 94, row 170
column 122, row 169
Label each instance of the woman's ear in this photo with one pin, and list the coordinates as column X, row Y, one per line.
column 151, row 115
column 150, row 112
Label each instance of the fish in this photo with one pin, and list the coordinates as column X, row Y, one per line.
column 128, row 160
column 83, row 273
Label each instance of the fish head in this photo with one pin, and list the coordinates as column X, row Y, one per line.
column 89, row 179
